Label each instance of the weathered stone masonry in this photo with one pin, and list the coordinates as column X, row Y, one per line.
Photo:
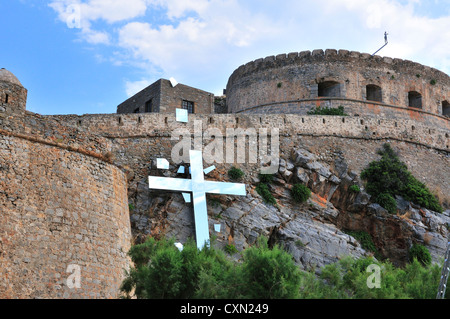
column 298, row 82
column 162, row 97
column 138, row 139
column 60, row 208
column 62, row 203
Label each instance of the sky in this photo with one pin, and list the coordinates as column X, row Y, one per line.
column 88, row 56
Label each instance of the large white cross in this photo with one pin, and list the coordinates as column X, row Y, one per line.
column 198, row 187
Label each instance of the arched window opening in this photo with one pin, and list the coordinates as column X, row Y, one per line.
column 446, row 108
column 329, row 89
column 373, row 93
column 415, row 99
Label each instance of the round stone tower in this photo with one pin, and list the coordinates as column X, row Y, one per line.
column 13, row 96
column 364, row 84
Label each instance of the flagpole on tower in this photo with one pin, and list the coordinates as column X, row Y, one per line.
column 385, row 42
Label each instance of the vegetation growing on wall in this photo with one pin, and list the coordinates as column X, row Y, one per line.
column 328, row 111
column 389, row 176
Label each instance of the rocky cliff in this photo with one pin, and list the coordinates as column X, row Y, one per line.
column 315, row 232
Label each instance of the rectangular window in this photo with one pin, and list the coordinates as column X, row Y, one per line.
column 136, row 110
column 6, row 98
column 187, row 105
column 149, row 106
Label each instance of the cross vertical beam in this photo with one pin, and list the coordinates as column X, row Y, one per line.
column 199, row 199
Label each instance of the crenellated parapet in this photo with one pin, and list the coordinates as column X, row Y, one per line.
column 311, row 76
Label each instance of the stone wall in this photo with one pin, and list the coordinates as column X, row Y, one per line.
column 299, row 76
column 13, row 99
column 140, row 138
column 165, row 99
column 63, row 205
column 431, row 131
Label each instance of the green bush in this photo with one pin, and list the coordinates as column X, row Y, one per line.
column 420, row 253
column 348, row 279
column 230, row 249
column 300, row 193
column 390, row 176
column 417, row 192
column 269, row 273
column 328, row 111
column 388, row 202
column 263, row 190
column 266, row 178
column 354, row 189
column 365, row 239
column 162, row 271
column 235, row 173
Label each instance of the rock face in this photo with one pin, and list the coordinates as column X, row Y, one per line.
column 313, row 232
column 393, row 235
column 306, row 230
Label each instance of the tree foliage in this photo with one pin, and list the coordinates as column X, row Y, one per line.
column 347, row 279
column 162, row 271
column 389, row 176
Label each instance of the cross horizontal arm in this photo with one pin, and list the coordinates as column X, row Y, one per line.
column 168, row 183
column 225, row 188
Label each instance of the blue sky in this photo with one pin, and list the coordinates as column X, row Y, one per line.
column 87, row 56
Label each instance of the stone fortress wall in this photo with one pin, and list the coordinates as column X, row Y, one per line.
column 364, row 84
column 138, row 139
column 64, row 208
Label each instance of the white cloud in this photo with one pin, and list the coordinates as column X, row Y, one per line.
column 202, row 41
column 109, row 10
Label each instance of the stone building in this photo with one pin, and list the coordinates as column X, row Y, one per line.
column 164, row 96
